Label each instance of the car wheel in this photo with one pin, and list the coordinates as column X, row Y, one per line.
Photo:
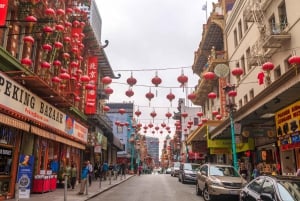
column 198, row 190
column 206, row 195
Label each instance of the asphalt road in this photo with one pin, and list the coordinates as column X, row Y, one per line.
column 155, row 187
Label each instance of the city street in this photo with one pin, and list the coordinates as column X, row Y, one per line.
column 154, row 187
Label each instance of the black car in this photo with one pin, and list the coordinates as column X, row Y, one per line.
column 272, row 188
column 187, row 172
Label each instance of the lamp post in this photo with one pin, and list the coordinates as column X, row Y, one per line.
column 231, row 106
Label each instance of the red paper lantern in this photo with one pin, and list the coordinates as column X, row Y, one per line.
column 149, row 95
column 204, row 120
column 200, row 124
column 89, row 86
column 26, row 62
column 68, row 24
column 47, row 29
column 69, row 10
column 47, row 47
column 191, row 96
column 190, row 122
column 106, row 108
column 129, row 93
column 60, row 11
column 64, row 76
column 31, row 19
column 170, row 97
column 138, row 113
column 28, row 39
column 56, row 79
column 182, row 79
column 163, row 124
column 237, row 71
column 268, row 66
column 49, row 12
column 215, row 112
column 106, row 80
column 122, row 111
column 199, row 114
column 156, row 80
column 168, row 115
column 66, row 55
column 58, row 45
column 232, row 93
column 45, row 65
column 131, row 81
column 108, row 90
column 212, row 95
column 209, row 75
column 59, row 27
column 85, row 78
column 76, row 23
column 150, row 125
column 77, row 99
column 218, row 116
column 153, row 114
column 56, row 63
column 294, row 60
column 184, row 114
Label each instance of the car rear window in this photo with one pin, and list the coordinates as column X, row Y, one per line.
column 223, row 171
column 288, row 189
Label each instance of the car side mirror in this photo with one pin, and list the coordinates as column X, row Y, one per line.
column 266, row 197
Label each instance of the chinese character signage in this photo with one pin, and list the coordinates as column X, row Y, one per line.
column 91, row 95
column 3, row 11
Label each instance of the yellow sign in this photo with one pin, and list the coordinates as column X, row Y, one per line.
column 287, row 120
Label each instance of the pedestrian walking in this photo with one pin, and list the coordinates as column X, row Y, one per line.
column 123, row 170
column 116, row 171
column 90, row 167
column 110, row 172
column 104, row 170
column 73, row 175
column 84, row 177
column 67, row 173
column 255, row 172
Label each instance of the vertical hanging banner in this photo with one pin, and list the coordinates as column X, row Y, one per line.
column 91, row 94
column 3, row 11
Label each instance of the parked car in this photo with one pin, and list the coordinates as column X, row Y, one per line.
column 168, row 171
column 175, row 169
column 187, row 172
column 272, row 188
column 216, row 180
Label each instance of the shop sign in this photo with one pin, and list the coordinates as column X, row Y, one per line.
column 91, row 95
column 19, row 99
column 97, row 149
column 218, row 143
column 24, row 179
column 3, row 11
column 287, row 124
column 5, row 152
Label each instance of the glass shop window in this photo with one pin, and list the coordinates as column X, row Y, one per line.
column 5, row 160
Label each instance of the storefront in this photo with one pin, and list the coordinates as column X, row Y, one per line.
column 288, row 137
column 33, row 134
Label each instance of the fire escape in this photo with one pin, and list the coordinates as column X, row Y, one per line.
column 272, row 34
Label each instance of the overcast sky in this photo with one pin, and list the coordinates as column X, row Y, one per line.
column 152, row 34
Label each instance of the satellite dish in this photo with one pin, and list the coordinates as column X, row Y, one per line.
column 221, row 70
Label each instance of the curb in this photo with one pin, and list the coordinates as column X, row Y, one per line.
column 110, row 187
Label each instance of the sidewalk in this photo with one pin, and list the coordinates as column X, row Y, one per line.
column 72, row 195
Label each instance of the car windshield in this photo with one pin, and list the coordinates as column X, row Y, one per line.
column 189, row 166
column 289, row 190
column 223, row 171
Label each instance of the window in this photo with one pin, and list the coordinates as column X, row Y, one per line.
column 256, row 185
column 240, row 30
column 273, row 26
column 245, row 26
column 235, row 38
column 248, row 57
column 282, row 16
column 268, row 187
column 287, row 65
column 277, row 72
column 243, row 64
column 251, row 94
column 246, row 99
column 240, row 103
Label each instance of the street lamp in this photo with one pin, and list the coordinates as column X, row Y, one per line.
column 231, row 107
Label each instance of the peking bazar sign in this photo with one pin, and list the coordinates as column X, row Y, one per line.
column 17, row 98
